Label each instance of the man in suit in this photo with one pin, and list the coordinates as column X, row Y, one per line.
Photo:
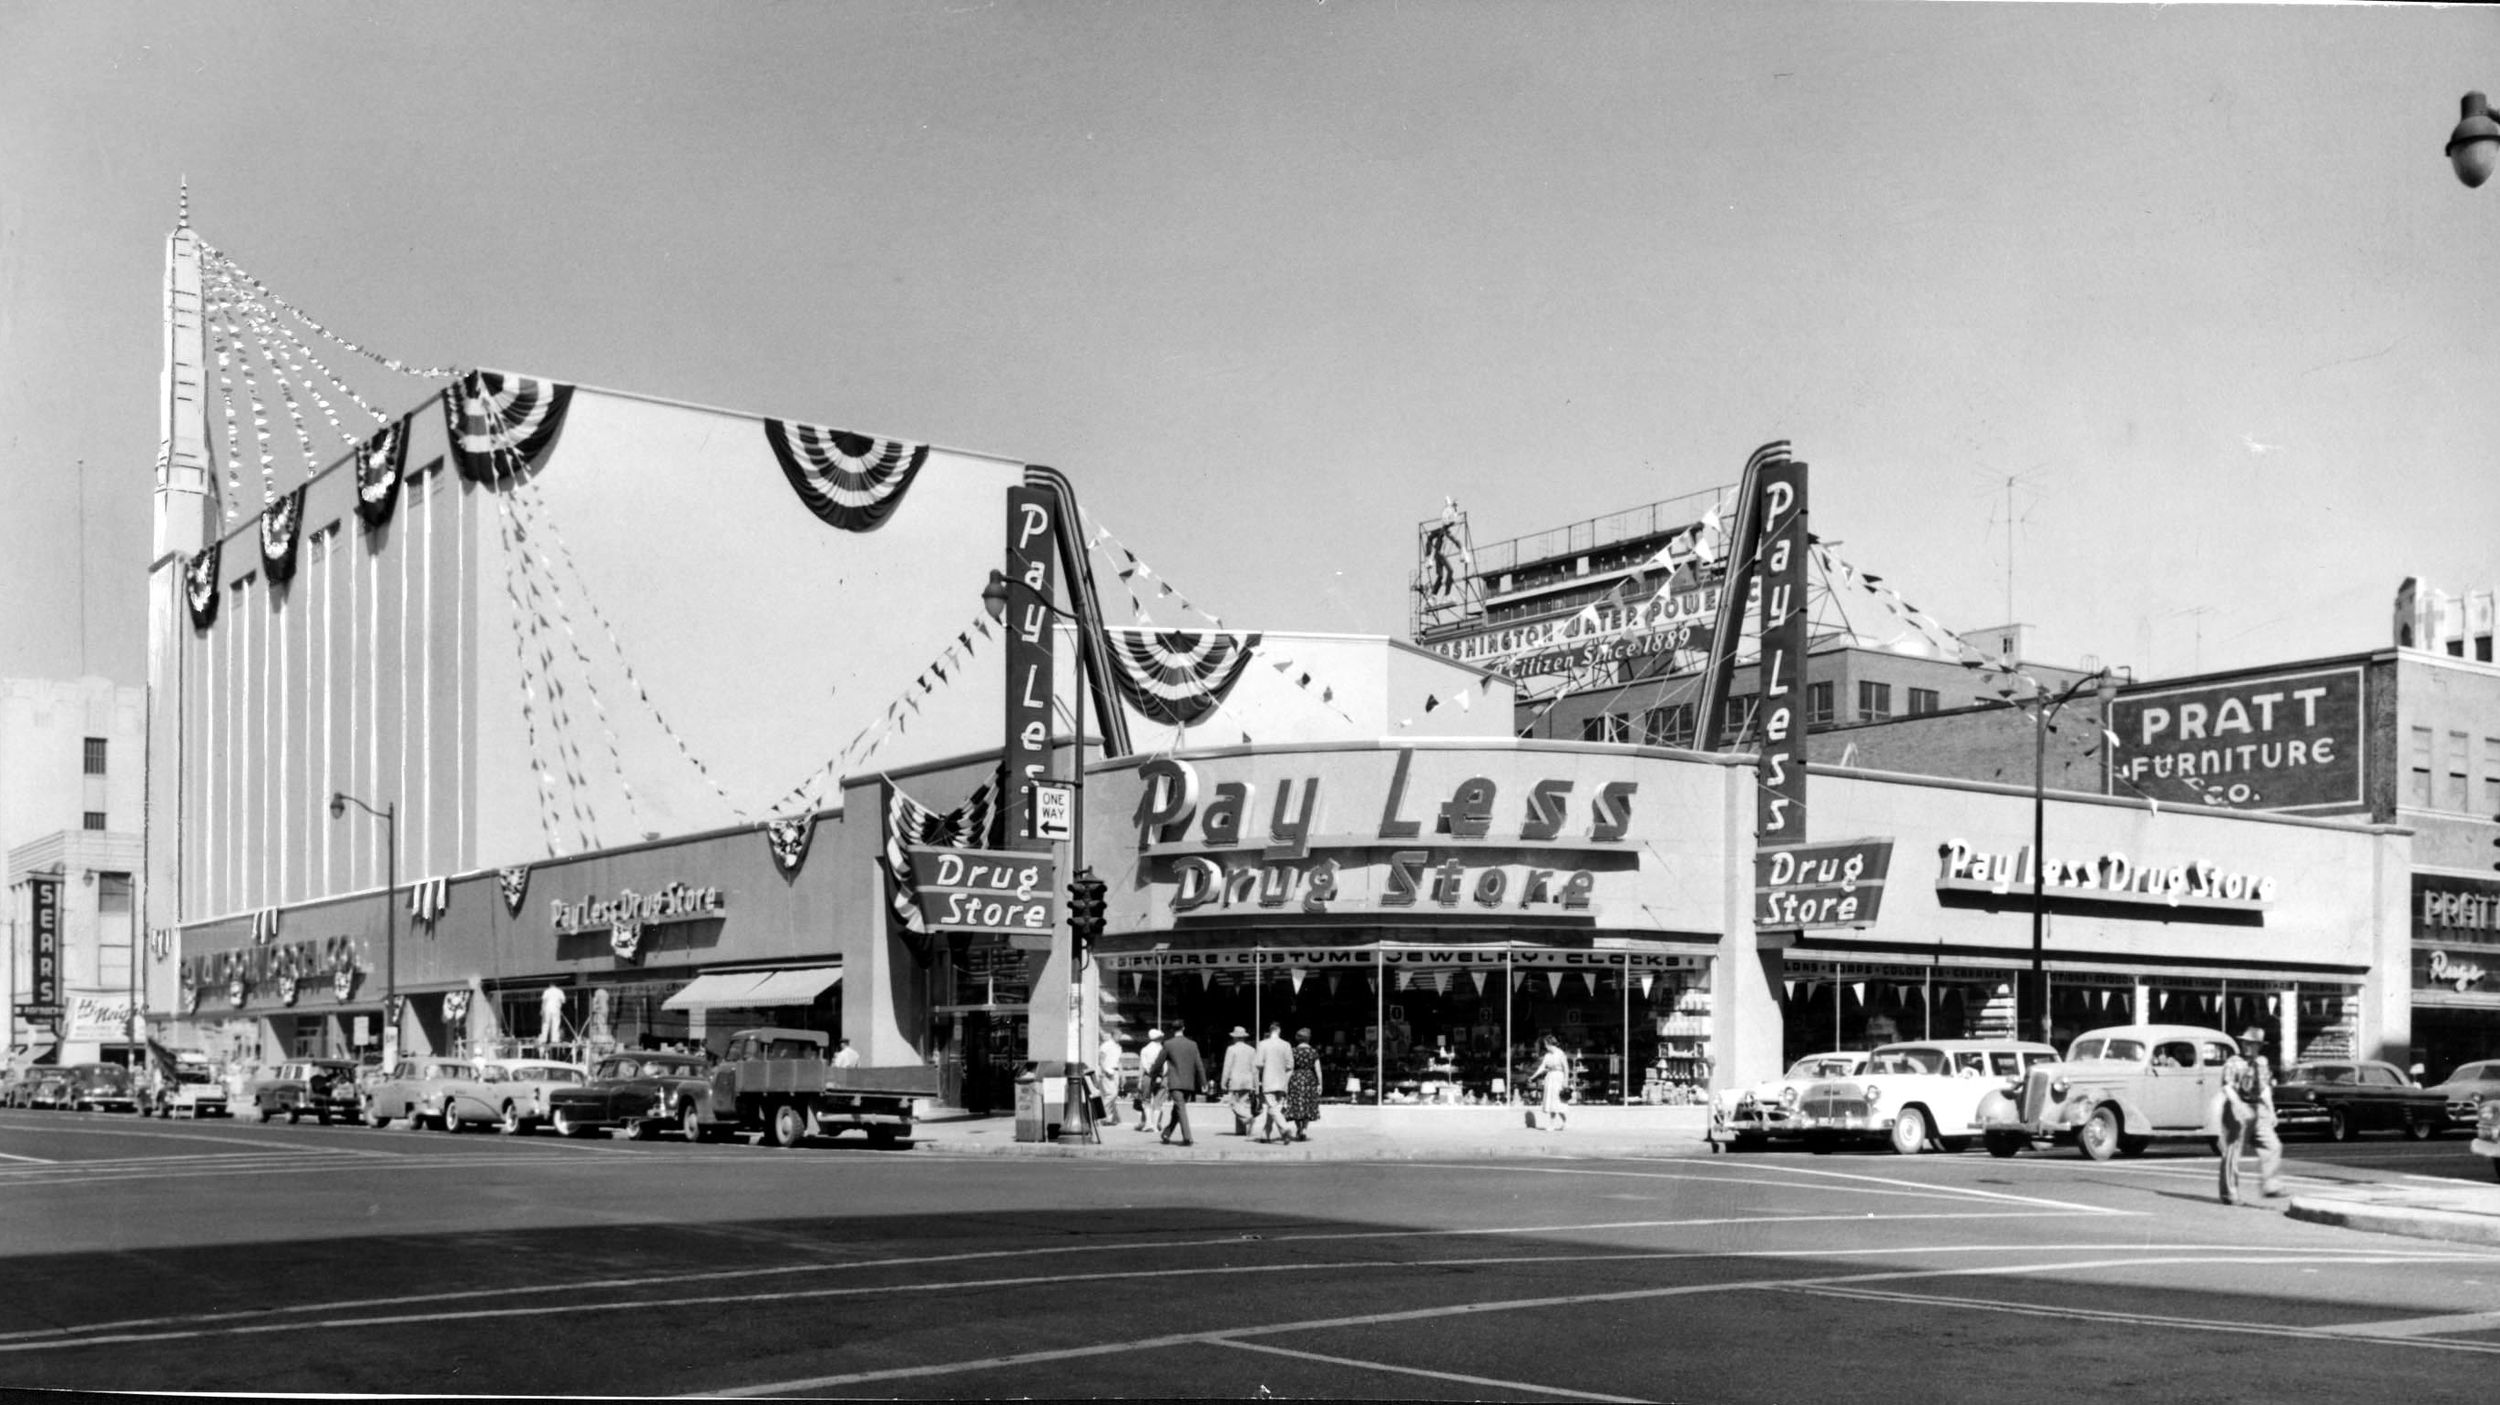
column 1275, row 1063
column 1241, row 1080
column 1184, row 1073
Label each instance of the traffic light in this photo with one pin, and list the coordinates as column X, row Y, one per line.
column 1085, row 904
column 2496, row 842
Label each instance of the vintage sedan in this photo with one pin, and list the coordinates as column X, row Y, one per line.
column 2345, row 1097
column 2467, row 1088
column 45, row 1087
column 2118, row 1090
column 1746, row 1119
column 1919, row 1093
column 193, row 1089
column 2487, row 1133
column 644, row 1093
column 510, row 1094
column 300, row 1088
column 99, row 1088
column 414, row 1089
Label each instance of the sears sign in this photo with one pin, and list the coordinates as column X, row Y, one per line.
column 2286, row 742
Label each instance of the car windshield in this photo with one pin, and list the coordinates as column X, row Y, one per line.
column 549, row 1073
column 1824, row 1066
column 2317, row 1073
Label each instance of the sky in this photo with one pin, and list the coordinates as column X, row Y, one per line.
column 2163, row 329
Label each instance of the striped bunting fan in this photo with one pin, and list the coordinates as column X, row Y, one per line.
column 1178, row 676
column 281, row 528
column 501, row 423
column 908, row 823
column 851, row 481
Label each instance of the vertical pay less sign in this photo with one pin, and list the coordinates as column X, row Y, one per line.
column 1031, row 542
column 1781, row 508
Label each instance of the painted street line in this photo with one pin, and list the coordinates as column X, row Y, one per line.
column 1452, row 1376
column 4, row 1156
column 1841, row 1180
column 1410, row 1315
column 2423, row 1326
column 2365, row 1331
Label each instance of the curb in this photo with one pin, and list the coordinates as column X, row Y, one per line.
column 2396, row 1219
column 1209, row 1150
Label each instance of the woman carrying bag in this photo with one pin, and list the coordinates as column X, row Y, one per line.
column 1553, row 1075
column 1302, row 1087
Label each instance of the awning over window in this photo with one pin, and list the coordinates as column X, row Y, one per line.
column 792, row 987
column 704, row 991
column 754, row 989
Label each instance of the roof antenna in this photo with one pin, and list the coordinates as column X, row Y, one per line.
column 182, row 218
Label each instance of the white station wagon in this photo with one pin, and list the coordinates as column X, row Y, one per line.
column 1920, row 1093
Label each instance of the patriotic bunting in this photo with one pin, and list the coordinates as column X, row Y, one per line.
column 381, row 462
column 456, row 1008
column 281, row 529
column 1178, row 677
column 265, row 926
column 427, row 897
column 502, row 424
column 908, row 823
column 625, row 938
column 787, row 840
column 199, row 586
column 515, row 885
column 851, row 481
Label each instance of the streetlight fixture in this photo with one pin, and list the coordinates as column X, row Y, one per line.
column 2474, row 147
column 389, row 816
column 2044, row 710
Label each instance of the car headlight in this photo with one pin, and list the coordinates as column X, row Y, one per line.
column 1788, row 1096
column 1874, row 1095
column 2058, row 1089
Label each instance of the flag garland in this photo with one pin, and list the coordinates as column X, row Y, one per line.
column 909, row 824
column 281, row 531
column 851, row 481
column 502, row 424
column 514, row 883
column 199, row 585
column 1178, row 676
column 381, row 462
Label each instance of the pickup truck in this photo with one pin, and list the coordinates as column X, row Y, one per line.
column 777, row 1082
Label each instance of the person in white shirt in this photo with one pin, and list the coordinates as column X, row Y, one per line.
column 1107, row 1070
column 1147, row 1083
column 846, row 1056
column 1275, row 1058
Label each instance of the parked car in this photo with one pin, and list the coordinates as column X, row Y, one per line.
column 2345, row 1097
column 321, row 1088
column 2467, row 1088
column 99, row 1088
column 1919, row 1093
column 46, row 1087
column 414, row 1089
column 509, row 1093
column 2487, row 1133
column 644, row 1093
column 1745, row 1119
column 18, row 1084
column 2119, row 1090
column 194, row 1091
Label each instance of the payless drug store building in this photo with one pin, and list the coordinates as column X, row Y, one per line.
column 1400, row 899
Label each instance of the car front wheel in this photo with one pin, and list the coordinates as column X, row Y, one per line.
column 2339, row 1126
column 789, row 1125
column 2099, row 1134
column 563, row 1124
column 2422, row 1126
column 690, row 1121
column 512, row 1124
column 2004, row 1144
column 1909, row 1132
column 451, row 1120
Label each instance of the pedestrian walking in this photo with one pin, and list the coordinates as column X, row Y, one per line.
column 1149, row 1086
column 2248, row 1116
column 1302, row 1087
column 1184, row 1074
column 1107, row 1073
column 1241, row 1080
column 1275, row 1060
column 1553, row 1075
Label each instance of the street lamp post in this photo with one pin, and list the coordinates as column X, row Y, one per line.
column 389, row 816
column 2044, row 712
column 2474, row 145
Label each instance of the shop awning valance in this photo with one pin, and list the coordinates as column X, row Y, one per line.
column 730, row 989
column 793, row 987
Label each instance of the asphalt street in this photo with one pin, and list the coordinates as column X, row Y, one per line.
column 235, row 1257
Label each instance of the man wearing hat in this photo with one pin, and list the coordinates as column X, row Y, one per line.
column 1184, row 1073
column 1241, row 1079
column 2248, row 1113
column 1149, row 1079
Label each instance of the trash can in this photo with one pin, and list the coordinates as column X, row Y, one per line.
column 1029, row 1124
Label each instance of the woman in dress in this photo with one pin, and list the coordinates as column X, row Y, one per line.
column 1302, row 1086
column 1553, row 1074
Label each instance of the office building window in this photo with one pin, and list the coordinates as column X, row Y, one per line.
column 2459, row 792
column 1874, row 701
column 1671, row 725
column 95, row 756
column 1922, row 701
column 1818, row 704
column 2418, row 772
column 1606, row 727
column 2491, row 775
column 1738, row 715
column 95, row 819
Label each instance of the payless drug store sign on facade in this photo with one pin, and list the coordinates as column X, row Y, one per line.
column 982, row 890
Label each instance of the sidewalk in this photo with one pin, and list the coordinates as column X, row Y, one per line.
column 1353, row 1133
column 2461, row 1212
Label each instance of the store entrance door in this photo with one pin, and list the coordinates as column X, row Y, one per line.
column 977, row 1069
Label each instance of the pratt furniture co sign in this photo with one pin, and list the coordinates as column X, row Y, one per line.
column 2287, row 742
